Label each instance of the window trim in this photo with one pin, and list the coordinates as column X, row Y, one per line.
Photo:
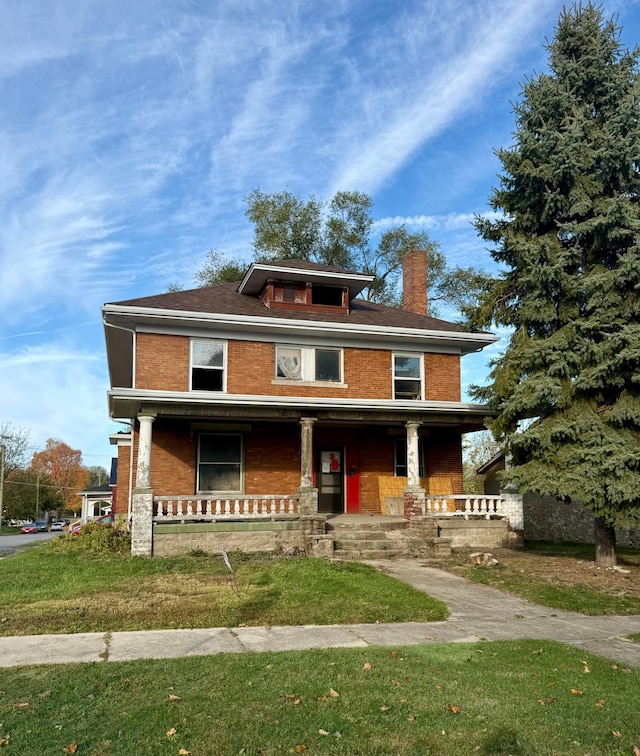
column 420, row 357
column 308, row 368
column 224, row 344
column 220, row 492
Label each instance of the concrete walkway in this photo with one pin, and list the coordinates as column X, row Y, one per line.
column 477, row 613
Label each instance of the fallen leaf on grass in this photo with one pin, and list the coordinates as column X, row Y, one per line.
column 322, row 732
column 71, row 748
column 411, row 719
column 636, row 751
column 366, row 665
column 22, row 705
column 5, row 741
column 385, row 708
column 543, row 701
column 46, row 694
column 334, row 694
column 292, row 697
column 616, row 734
column 575, row 692
column 454, row 709
column 58, row 727
column 184, row 752
column 171, row 697
column 614, row 666
column 600, row 703
column 171, row 732
column 300, row 748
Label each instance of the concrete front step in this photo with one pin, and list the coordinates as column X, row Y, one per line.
column 376, row 525
column 360, row 554
column 358, row 535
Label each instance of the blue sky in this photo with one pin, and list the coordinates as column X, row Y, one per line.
column 131, row 132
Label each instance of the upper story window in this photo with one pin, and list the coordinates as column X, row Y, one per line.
column 407, row 376
column 327, row 295
column 208, row 360
column 308, row 364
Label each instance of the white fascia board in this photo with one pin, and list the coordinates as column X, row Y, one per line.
column 299, row 274
column 276, row 326
column 293, row 402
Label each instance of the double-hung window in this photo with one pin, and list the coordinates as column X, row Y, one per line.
column 220, row 462
column 208, row 360
column 310, row 364
column 407, row 376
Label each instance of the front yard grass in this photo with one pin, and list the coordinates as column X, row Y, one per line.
column 526, row 698
column 47, row 591
column 562, row 576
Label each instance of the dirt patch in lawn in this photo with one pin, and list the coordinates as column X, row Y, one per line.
column 562, row 569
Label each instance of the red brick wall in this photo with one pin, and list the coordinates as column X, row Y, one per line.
column 252, row 370
column 272, row 459
column 162, row 362
column 173, row 458
column 442, row 377
column 444, row 458
column 414, row 281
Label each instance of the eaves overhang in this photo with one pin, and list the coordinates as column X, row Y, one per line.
column 124, row 316
column 127, row 403
column 258, row 275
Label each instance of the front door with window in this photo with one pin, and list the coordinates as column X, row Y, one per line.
column 329, row 478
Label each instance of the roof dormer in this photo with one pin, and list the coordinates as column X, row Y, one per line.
column 302, row 285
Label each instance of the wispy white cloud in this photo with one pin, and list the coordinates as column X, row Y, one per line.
column 447, row 222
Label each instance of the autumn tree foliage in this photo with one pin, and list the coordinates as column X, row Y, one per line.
column 568, row 247
column 64, row 470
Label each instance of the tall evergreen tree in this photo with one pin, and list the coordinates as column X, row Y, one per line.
column 570, row 288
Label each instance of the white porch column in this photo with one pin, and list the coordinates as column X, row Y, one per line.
column 142, row 504
column 308, row 495
column 414, row 495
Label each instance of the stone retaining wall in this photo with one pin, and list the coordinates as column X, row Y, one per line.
column 547, row 519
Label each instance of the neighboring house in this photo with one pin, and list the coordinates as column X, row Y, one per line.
column 546, row 518
column 285, row 397
column 96, row 501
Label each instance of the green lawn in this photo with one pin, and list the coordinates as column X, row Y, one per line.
column 522, row 697
column 43, row 590
column 6, row 530
column 530, row 581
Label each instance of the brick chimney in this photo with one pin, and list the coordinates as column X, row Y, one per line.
column 414, row 281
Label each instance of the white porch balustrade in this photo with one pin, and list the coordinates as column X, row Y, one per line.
column 466, row 505
column 169, row 508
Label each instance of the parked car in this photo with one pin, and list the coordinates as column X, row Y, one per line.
column 29, row 527
column 57, row 526
column 42, row 526
column 107, row 519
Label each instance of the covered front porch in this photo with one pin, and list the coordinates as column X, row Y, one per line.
column 332, row 463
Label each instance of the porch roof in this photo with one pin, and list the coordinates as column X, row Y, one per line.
column 466, row 416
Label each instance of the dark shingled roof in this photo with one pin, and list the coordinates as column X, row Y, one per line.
column 225, row 299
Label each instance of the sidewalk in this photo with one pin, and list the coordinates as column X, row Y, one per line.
column 477, row 613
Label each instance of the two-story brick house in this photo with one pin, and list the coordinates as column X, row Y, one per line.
column 284, row 396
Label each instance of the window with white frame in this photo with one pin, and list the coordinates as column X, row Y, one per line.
column 311, row 364
column 220, row 466
column 407, row 376
column 208, row 359
column 400, row 458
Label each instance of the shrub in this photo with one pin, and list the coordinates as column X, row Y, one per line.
column 95, row 539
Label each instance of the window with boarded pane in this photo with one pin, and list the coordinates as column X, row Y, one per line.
column 407, row 376
column 220, row 462
column 207, row 365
